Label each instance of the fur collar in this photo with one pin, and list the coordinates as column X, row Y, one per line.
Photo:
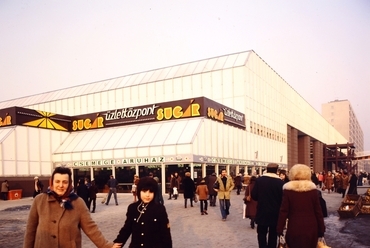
column 269, row 174
column 300, row 185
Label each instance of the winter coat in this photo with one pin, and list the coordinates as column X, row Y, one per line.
column 251, row 210
column 4, row 187
column 149, row 229
column 329, row 181
column 301, row 206
column 202, row 191
column 210, row 183
column 175, row 182
column 268, row 192
column 93, row 190
column 238, row 181
column 224, row 192
column 345, row 181
column 50, row 225
column 188, row 187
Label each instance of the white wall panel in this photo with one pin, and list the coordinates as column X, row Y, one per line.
column 35, row 168
column 177, row 88
column 22, row 167
column 130, row 152
column 168, row 90
column 169, row 150
column 22, row 143
column 76, row 156
column 10, row 168
column 105, row 154
column 86, row 155
column 9, row 147
column 118, row 96
column 155, row 150
column 117, row 153
column 46, row 168
column 143, row 94
column 127, row 98
column 142, row 151
column 134, row 95
column 184, row 149
column 151, row 93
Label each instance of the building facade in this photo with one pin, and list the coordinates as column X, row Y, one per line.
column 341, row 116
column 230, row 112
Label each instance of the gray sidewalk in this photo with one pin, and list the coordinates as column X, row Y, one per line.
column 191, row 229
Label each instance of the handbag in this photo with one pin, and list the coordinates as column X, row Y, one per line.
column 282, row 243
column 321, row 243
column 195, row 198
column 175, row 192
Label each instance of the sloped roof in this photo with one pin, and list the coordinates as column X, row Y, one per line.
column 192, row 68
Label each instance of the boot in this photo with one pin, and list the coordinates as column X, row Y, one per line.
column 185, row 202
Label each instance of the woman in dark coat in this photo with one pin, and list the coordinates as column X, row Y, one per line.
column 83, row 191
column 352, row 184
column 189, row 189
column 301, row 206
column 252, row 204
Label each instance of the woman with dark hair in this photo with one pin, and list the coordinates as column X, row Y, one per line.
column 146, row 220
column 57, row 217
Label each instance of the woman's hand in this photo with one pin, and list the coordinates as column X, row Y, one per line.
column 117, row 245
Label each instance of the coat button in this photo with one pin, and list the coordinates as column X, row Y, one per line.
column 142, row 223
column 54, row 221
column 53, row 236
column 142, row 234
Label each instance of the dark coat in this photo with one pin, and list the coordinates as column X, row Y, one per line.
column 152, row 229
column 251, row 210
column 189, row 187
column 238, row 181
column 352, row 185
column 301, row 206
column 268, row 192
column 83, row 192
column 211, row 179
column 93, row 190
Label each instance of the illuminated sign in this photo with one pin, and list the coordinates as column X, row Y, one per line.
column 124, row 161
column 188, row 108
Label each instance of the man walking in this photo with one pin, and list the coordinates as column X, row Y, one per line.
column 223, row 186
column 268, row 192
column 112, row 184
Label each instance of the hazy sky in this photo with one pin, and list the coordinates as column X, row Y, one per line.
column 321, row 48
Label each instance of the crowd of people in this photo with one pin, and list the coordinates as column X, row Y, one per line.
column 272, row 200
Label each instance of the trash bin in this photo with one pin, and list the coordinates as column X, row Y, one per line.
column 14, row 194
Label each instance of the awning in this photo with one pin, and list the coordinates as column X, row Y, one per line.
column 168, row 133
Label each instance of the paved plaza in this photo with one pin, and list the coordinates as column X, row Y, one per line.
column 188, row 227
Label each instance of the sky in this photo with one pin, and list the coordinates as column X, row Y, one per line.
column 319, row 47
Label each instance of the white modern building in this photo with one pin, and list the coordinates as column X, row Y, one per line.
column 233, row 112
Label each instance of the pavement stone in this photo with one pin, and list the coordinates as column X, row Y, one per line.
column 191, row 229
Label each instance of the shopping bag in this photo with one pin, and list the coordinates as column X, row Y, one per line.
column 175, row 192
column 282, row 243
column 244, row 210
column 104, row 199
column 321, row 243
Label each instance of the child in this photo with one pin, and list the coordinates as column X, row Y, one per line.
column 134, row 187
column 202, row 192
column 146, row 220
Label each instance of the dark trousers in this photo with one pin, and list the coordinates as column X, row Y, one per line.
column 114, row 192
column 35, row 193
column 238, row 189
column 212, row 200
column 186, row 201
column 263, row 232
column 93, row 201
column 205, row 205
column 5, row 195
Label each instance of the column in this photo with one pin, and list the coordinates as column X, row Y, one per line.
column 217, row 170
column 192, row 171
column 204, row 170
column 91, row 173
column 163, row 177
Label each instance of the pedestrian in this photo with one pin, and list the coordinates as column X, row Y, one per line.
column 159, row 196
column 93, row 190
column 283, row 175
column 82, row 191
column 344, row 183
column 202, row 192
column 189, row 189
column 146, row 221
column 38, row 186
column 212, row 194
column 112, row 184
column 251, row 208
column 301, row 207
column 223, row 186
column 329, row 181
column 174, row 186
column 57, row 217
column 268, row 192
column 238, row 183
column 352, row 190
column 134, row 187
column 4, row 190
column 320, row 177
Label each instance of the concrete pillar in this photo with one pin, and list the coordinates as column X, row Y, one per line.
column 204, row 170
column 192, row 170
column 304, row 150
column 318, row 156
column 216, row 169
column 163, row 177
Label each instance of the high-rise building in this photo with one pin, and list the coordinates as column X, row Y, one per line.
column 341, row 116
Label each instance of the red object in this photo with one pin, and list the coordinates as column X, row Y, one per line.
column 15, row 194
